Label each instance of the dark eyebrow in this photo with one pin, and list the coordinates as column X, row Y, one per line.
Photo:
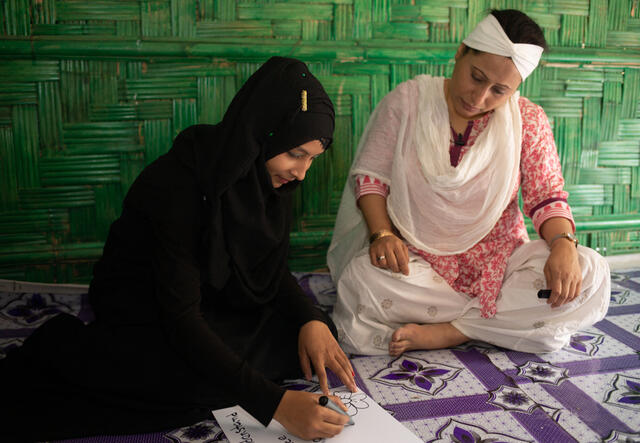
column 300, row 148
column 486, row 78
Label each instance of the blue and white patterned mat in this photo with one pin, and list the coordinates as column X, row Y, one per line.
column 587, row 392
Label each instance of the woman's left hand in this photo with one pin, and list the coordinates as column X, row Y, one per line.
column 563, row 273
column 317, row 346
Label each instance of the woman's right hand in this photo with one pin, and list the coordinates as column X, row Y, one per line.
column 301, row 414
column 394, row 252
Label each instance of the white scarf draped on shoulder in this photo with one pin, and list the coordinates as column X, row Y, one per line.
column 441, row 209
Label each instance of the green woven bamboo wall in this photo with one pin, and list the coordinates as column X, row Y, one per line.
column 93, row 91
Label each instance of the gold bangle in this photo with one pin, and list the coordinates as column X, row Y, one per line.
column 379, row 234
column 567, row 235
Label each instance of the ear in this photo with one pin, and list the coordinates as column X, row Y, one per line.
column 460, row 51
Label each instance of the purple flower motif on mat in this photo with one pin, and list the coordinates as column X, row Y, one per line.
column 416, row 375
column 619, row 297
column 543, row 372
column 482, row 347
column 618, row 276
column 622, row 437
column 512, row 399
column 196, row 432
column 206, row 431
column 319, row 287
column 625, row 392
column 460, row 432
column 32, row 309
column 632, row 396
column 584, row 343
column 554, row 413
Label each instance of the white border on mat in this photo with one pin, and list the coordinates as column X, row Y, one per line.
column 623, row 261
column 23, row 286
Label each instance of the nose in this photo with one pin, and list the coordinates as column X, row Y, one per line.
column 479, row 95
column 301, row 169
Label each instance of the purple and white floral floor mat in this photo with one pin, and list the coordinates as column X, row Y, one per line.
column 587, row 392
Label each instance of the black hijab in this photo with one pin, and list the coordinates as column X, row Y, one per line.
column 247, row 221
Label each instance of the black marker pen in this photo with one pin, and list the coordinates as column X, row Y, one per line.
column 327, row 403
column 544, row 293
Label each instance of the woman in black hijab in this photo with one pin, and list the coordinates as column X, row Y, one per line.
column 195, row 308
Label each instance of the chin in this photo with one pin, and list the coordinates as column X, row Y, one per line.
column 468, row 114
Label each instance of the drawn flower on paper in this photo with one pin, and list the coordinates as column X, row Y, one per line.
column 460, row 432
column 354, row 401
column 625, row 392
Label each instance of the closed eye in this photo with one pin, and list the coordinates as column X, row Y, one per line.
column 296, row 155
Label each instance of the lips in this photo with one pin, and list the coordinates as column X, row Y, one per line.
column 467, row 107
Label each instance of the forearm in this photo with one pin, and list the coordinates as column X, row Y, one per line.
column 553, row 227
column 374, row 210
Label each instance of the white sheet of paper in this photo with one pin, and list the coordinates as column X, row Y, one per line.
column 372, row 423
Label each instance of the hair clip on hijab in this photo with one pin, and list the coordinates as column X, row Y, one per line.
column 303, row 98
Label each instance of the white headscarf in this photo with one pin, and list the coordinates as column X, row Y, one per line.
column 489, row 37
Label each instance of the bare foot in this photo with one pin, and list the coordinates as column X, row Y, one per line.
column 430, row 336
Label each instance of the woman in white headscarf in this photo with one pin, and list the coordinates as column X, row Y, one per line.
column 430, row 249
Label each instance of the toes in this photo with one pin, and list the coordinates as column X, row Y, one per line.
column 394, row 352
column 397, row 348
column 398, row 335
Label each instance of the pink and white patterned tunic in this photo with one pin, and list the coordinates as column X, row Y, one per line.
column 479, row 271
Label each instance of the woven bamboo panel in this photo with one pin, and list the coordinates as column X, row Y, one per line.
column 92, row 91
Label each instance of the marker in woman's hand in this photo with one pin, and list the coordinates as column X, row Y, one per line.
column 544, row 293
column 328, row 403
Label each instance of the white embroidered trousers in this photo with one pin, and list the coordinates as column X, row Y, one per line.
column 372, row 303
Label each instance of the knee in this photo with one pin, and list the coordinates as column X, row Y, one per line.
column 540, row 345
column 592, row 261
column 357, row 269
column 550, row 346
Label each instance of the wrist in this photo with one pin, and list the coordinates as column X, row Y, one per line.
column 379, row 234
column 277, row 415
column 310, row 323
column 563, row 238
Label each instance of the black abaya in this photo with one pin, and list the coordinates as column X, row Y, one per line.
column 195, row 307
